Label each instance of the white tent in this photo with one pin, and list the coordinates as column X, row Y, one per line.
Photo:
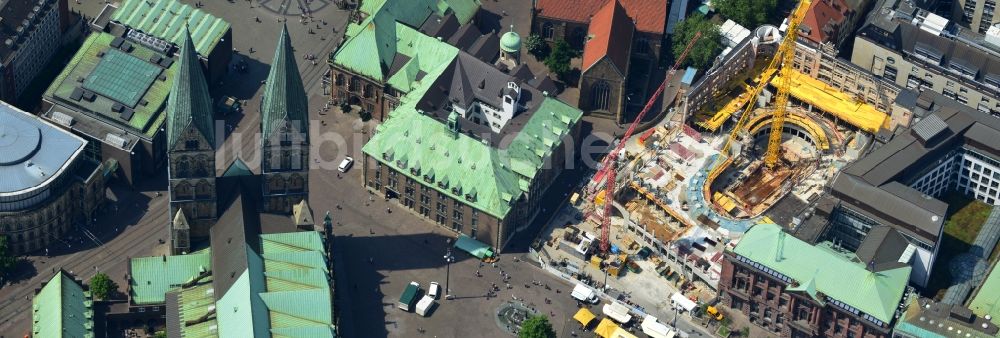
column 655, row 329
column 683, row 302
column 618, row 312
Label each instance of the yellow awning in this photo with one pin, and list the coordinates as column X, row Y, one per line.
column 584, row 316
column 621, row 333
column 606, row 328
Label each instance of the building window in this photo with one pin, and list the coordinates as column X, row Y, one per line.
column 642, row 45
column 548, row 31
column 441, row 207
column 600, row 94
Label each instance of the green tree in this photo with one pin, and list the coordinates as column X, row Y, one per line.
column 7, row 261
column 749, row 13
column 537, row 326
column 536, row 46
column 559, row 59
column 707, row 47
column 101, row 286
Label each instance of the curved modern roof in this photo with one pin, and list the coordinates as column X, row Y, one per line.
column 32, row 152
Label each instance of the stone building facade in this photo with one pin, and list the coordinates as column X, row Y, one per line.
column 191, row 140
column 49, row 187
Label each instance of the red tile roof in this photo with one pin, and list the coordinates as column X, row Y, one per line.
column 823, row 19
column 650, row 15
column 610, row 21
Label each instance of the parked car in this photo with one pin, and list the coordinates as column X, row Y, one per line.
column 346, row 164
column 433, row 290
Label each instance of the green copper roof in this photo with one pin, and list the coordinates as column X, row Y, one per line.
column 62, row 309
column 284, row 99
column 189, row 103
column 152, row 277
column 427, row 55
column 494, row 177
column 381, row 34
column 237, row 168
column 834, row 275
column 195, row 302
column 148, row 118
column 510, row 42
column 165, row 19
column 987, row 300
column 285, row 291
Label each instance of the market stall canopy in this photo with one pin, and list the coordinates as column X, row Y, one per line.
column 618, row 312
column 683, row 302
column 584, row 316
column 473, row 247
column 654, row 329
column 621, row 333
column 606, row 328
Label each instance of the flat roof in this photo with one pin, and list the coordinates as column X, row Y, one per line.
column 33, row 152
column 90, row 65
column 122, row 77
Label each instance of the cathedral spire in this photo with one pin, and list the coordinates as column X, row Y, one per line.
column 284, row 94
column 189, row 104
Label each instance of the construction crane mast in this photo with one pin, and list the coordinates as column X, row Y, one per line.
column 608, row 170
column 786, row 54
column 783, row 59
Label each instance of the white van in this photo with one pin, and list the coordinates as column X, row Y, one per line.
column 433, row 290
column 585, row 294
column 424, row 305
column 346, row 164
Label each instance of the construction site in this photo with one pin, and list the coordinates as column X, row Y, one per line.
column 669, row 199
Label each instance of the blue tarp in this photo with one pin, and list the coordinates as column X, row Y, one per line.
column 689, row 74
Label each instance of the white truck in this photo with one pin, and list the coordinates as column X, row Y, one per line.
column 425, row 305
column 585, row 294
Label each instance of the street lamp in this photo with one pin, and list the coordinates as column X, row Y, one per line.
column 448, row 258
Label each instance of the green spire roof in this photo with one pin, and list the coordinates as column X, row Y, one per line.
column 189, row 104
column 284, row 95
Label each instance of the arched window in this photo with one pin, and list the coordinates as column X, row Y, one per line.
column 548, row 30
column 296, row 183
column 183, row 167
column 203, row 189
column 183, row 190
column 600, row 94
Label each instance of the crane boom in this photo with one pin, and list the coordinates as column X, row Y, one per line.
column 608, row 168
column 786, row 53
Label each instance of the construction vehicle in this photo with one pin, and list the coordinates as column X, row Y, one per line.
column 714, row 313
column 609, row 168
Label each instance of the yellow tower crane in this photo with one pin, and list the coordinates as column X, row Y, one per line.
column 786, row 53
column 782, row 60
